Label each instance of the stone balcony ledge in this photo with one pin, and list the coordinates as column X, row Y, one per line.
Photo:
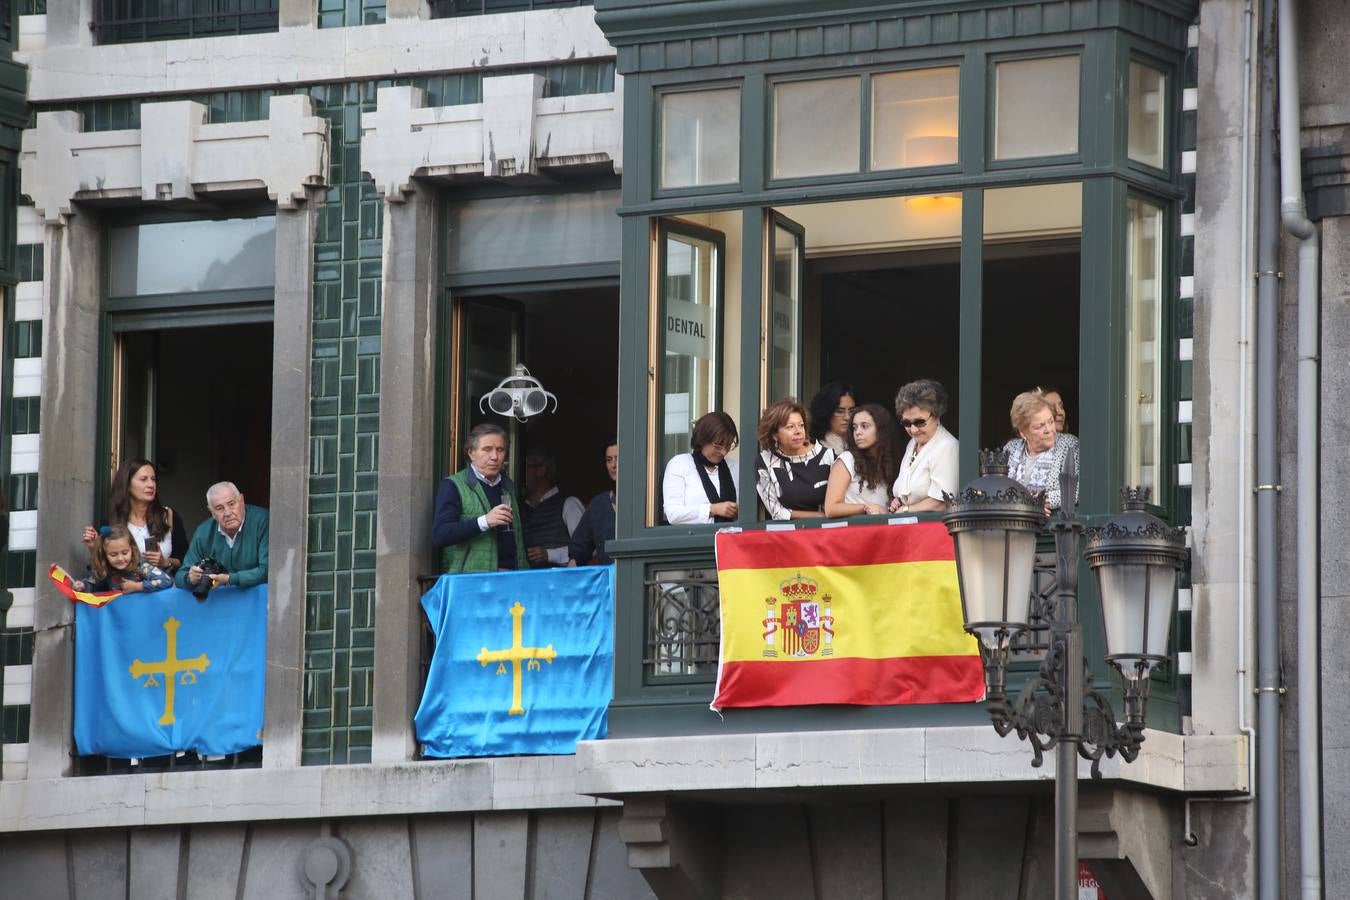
column 899, row 756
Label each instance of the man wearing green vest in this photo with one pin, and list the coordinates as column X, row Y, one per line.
column 474, row 528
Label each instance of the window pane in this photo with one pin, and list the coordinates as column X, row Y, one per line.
column 690, row 297
column 700, row 138
column 914, row 118
column 1143, row 320
column 1036, row 107
column 785, row 313
column 816, row 127
column 1031, row 310
column 1148, row 103
column 185, row 257
column 537, row 230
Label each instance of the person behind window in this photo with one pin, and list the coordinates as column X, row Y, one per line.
column 1055, row 397
column 118, row 566
column 472, row 527
column 549, row 518
column 930, row 466
column 861, row 478
column 700, row 486
column 1040, row 453
column 597, row 525
column 133, row 503
column 791, row 471
column 831, row 411
column 235, row 537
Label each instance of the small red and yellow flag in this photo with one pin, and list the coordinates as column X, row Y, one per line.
column 866, row 614
column 66, row 585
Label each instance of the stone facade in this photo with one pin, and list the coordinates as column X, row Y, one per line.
column 352, row 135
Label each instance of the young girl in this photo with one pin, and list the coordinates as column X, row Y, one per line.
column 118, row 566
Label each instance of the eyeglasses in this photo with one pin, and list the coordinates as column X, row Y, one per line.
column 725, row 448
column 843, row 410
column 913, row 423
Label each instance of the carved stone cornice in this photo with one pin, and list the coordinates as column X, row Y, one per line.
column 174, row 155
column 515, row 131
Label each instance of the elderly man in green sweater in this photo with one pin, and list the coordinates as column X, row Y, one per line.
column 235, row 536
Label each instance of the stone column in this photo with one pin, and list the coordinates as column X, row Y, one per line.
column 68, row 23
column 407, row 480
column 291, row 350
column 407, row 9
column 298, row 14
column 66, row 474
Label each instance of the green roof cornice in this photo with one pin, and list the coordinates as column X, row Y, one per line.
column 654, row 35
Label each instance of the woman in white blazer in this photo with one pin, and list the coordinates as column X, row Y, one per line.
column 700, row 486
column 930, row 467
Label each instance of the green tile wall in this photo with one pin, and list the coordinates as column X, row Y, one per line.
column 340, row 13
column 19, row 568
column 32, row 7
column 344, row 445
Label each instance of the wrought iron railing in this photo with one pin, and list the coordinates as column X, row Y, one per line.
column 131, row 21
column 445, row 9
column 1035, row 640
column 684, row 627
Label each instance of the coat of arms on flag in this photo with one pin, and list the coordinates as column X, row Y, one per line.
column 804, row 618
column 865, row 615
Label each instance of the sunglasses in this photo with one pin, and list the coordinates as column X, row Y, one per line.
column 913, row 423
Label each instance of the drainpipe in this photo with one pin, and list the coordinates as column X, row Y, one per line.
column 1268, row 843
column 1293, row 212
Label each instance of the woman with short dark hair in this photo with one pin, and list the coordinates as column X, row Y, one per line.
column 700, row 486
column 831, row 412
column 930, row 468
column 791, row 471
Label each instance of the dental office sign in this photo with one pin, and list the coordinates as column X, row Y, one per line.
column 688, row 330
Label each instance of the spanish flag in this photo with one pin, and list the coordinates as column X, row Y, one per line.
column 865, row 615
column 66, row 585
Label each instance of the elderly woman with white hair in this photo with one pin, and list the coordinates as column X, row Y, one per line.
column 1040, row 452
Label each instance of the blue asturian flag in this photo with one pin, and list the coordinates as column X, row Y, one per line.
column 160, row 672
column 524, row 662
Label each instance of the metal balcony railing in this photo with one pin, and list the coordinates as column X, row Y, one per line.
column 684, row 625
column 445, row 9
column 186, row 761
column 132, row 21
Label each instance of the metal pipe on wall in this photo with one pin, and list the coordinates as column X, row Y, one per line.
column 1293, row 212
column 1267, row 478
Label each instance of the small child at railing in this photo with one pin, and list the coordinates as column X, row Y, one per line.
column 118, row 566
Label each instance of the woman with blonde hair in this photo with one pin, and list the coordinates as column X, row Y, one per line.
column 1040, row 452
column 792, row 470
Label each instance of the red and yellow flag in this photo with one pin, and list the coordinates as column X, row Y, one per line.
column 866, row 614
column 66, row 585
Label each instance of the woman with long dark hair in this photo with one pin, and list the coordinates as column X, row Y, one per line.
column 831, row 411
column 861, row 478
column 134, row 503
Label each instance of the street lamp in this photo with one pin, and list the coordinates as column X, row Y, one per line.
column 994, row 522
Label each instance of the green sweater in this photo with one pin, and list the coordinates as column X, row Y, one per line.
column 246, row 561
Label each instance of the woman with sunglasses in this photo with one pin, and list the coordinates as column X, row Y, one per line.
column 930, row 466
column 700, row 486
column 861, row 477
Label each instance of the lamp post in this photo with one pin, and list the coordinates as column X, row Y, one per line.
column 994, row 523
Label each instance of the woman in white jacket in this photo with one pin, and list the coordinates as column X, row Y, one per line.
column 929, row 468
column 700, row 486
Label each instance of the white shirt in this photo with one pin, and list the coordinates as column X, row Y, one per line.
column 857, row 491
column 929, row 470
column 142, row 535
column 834, row 442
column 682, row 496
column 482, row 520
